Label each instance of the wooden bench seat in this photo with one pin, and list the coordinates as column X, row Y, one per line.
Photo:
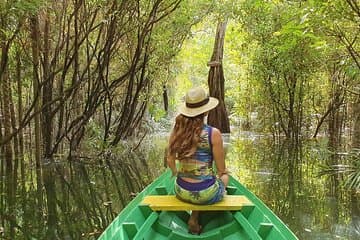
column 171, row 203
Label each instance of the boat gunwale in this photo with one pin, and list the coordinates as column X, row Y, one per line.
column 115, row 229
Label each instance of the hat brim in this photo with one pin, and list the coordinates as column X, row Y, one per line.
column 192, row 112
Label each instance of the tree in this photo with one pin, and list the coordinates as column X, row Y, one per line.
column 216, row 81
column 35, row 40
column 283, row 62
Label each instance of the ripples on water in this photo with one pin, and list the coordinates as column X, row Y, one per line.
column 288, row 181
column 77, row 199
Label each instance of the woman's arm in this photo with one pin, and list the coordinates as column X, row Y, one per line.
column 219, row 156
column 171, row 164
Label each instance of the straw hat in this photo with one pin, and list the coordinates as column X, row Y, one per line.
column 197, row 101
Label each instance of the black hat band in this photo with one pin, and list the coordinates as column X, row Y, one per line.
column 198, row 104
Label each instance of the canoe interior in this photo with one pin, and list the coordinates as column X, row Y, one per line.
column 138, row 221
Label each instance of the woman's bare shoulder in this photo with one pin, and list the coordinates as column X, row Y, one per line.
column 216, row 135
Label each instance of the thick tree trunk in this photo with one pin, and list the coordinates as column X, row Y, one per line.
column 218, row 117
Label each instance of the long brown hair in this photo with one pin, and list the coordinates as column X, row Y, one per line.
column 185, row 135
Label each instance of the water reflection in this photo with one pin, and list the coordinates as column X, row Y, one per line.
column 286, row 179
column 77, row 199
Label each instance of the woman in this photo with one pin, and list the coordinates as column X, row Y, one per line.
column 197, row 146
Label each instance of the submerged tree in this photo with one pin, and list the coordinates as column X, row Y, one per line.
column 216, row 81
column 91, row 62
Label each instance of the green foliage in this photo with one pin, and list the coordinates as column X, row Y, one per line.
column 350, row 172
column 28, row 6
column 241, row 91
column 352, row 180
column 18, row 8
column 94, row 141
column 191, row 61
column 274, row 41
column 168, row 39
column 282, row 59
column 156, row 113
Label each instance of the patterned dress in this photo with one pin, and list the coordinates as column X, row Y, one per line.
column 200, row 167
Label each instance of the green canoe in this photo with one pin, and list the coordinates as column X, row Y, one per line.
column 138, row 221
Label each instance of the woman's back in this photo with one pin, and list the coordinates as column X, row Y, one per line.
column 200, row 165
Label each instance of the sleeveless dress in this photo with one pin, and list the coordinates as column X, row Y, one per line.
column 199, row 166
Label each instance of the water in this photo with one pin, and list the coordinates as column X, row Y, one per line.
column 78, row 199
column 288, row 181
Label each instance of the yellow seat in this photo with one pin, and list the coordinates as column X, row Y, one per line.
column 171, row 203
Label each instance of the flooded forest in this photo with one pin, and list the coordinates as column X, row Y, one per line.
column 89, row 90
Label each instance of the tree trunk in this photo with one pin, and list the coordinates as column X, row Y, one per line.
column 13, row 126
column 2, row 149
column 78, row 132
column 20, row 112
column 36, row 84
column 165, row 99
column 356, row 128
column 52, row 218
column 47, row 130
column 218, row 117
column 335, row 123
column 6, row 101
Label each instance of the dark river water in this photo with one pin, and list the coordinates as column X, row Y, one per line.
column 78, row 198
